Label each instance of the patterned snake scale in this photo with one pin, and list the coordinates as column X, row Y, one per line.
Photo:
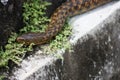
column 69, row 8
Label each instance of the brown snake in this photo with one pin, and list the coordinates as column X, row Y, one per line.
column 69, row 8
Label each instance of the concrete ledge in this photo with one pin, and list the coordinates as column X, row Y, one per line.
column 95, row 55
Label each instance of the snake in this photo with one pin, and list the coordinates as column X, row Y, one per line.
column 58, row 18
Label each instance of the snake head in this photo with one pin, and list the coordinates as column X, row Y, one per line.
column 25, row 38
column 28, row 38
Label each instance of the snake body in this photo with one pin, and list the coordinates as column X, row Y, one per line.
column 69, row 8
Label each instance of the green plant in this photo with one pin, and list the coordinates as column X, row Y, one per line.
column 34, row 16
column 35, row 21
column 34, row 12
column 2, row 77
column 14, row 51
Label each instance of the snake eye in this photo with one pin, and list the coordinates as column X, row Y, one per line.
column 20, row 39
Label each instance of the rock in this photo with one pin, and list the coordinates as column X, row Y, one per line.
column 10, row 19
column 95, row 53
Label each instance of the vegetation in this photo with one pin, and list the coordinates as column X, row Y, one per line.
column 14, row 51
column 60, row 41
column 35, row 21
column 34, row 11
column 34, row 16
column 2, row 77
